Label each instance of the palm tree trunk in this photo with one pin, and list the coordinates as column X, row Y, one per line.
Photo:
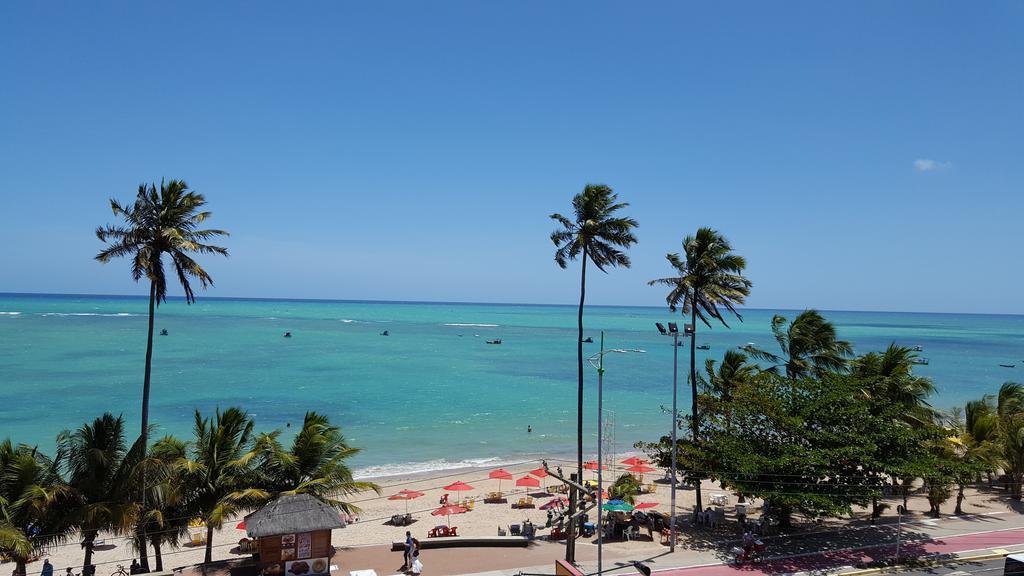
column 695, row 420
column 144, row 433
column 87, row 539
column 156, row 553
column 209, row 543
column 959, row 500
column 570, row 547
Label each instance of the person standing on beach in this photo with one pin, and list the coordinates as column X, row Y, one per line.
column 408, row 551
column 47, row 568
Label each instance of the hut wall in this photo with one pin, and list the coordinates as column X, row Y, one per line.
column 321, row 544
column 270, row 549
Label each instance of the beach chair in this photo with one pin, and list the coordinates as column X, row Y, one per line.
column 514, row 530
column 652, row 488
column 556, row 534
column 520, row 504
column 470, row 503
column 453, row 531
column 501, row 531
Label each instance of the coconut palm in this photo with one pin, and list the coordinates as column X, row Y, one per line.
column 100, row 472
column 710, row 282
column 594, row 233
column 166, row 514
column 809, row 346
column 971, row 454
column 164, row 222
column 32, row 501
column 1000, row 420
column 891, row 374
column 219, row 470
column 730, row 374
column 161, row 223
column 314, row 464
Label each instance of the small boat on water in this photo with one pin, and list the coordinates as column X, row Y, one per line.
column 588, row 340
column 919, row 360
column 163, row 332
column 704, row 347
column 1007, row 365
column 495, row 341
column 917, row 348
column 287, row 334
column 386, row 333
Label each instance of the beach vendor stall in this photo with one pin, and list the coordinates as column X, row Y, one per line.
column 293, row 536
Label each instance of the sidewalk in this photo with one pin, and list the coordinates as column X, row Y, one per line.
column 821, row 552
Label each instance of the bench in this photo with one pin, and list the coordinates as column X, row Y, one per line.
column 463, row 542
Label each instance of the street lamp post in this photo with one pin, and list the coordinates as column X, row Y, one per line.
column 597, row 361
column 673, row 331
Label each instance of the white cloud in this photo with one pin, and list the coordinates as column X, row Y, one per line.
column 927, row 165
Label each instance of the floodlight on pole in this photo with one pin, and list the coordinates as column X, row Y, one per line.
column 597, row 361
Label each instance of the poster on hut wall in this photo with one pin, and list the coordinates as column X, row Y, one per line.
column 312, row 567
column 304, row 547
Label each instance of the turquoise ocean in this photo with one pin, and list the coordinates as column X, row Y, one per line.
column 431, row 395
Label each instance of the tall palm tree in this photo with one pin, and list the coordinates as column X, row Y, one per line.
column 100, row 471
column 32, row 501
column 594, row 233
column 220, row 470
column 164, row 222
column 891, row 374
column 809, row 346
column 314, row 464
column 710, row 282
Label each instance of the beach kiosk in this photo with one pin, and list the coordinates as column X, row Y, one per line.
column 293, row 536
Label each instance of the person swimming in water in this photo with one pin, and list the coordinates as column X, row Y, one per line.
column 529, row 429
column 287, row 334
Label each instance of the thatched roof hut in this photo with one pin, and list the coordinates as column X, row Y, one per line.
column 292, row 514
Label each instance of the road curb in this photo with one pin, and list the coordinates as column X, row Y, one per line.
column 926, row 563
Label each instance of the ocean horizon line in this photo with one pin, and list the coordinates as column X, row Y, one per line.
column 177, row 298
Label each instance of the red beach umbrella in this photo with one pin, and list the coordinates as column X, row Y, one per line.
column 641, row 469
column 240, row 525
column 633, row 461
column 645, row 505
column 448, row 510
column 540, row 473
column 406, row 495
column 499, row 475
column 528, row 482
column 459, row 486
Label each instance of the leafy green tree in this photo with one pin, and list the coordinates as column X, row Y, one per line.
column 219, row 470
column 596, row 233
column 710, row 282
column 315, row 463
column 809, row 444
column 32, row 503
column 101, row 473
column 808, row 345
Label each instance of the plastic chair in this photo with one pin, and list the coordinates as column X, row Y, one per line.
column 514, row 530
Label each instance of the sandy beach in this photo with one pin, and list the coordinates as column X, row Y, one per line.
column 372, row 529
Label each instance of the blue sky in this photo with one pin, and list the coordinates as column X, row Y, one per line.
column 861, row 155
